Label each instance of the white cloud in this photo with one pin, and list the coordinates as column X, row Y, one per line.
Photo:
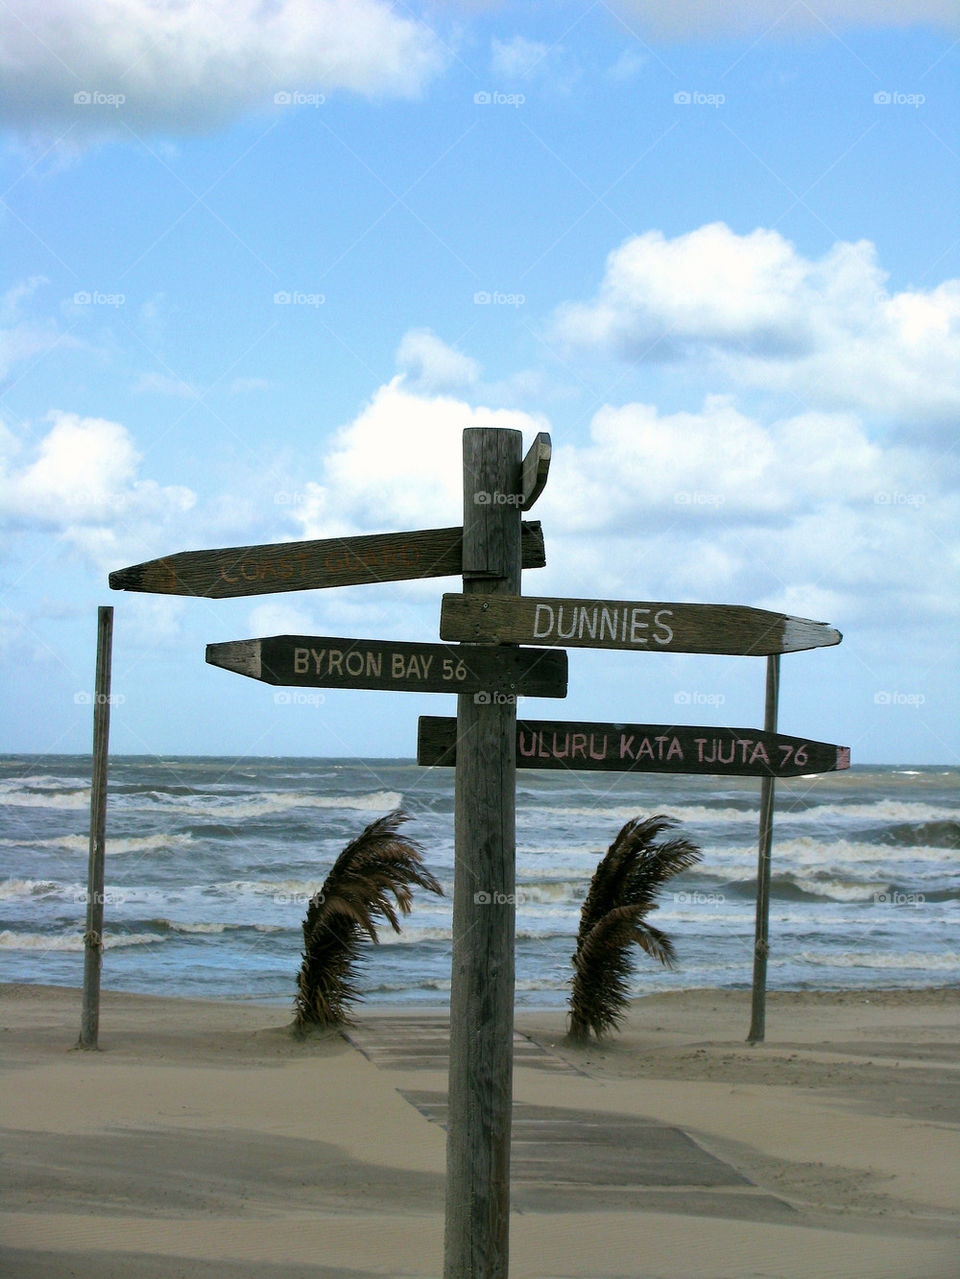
column 81, row 481
column 399, row 464
column 431, row 365
column 184, row 67
column 518, row 57
column 766, row 316
column 707, row 19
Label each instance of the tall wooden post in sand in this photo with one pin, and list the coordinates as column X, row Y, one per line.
column 480, row 1094
column 761, row 942
column 93, row 936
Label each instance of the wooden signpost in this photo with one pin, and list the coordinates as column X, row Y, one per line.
column 93, row 934
column 646, row 748
column 303, row 566
column 486, row 745
column 642, row 626
column 313, row 661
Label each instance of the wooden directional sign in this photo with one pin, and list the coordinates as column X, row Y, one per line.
column 304, row 566
column 312, row 661
column 646, row 748
column 644, row 627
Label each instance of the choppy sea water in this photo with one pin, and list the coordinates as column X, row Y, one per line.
column 210, row 864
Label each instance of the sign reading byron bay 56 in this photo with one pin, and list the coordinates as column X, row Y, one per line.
column 680, row 628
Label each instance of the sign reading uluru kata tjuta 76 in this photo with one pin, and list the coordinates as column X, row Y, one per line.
column 642, row 626
column 303, row 566
column 646, row 748
column 319, row 661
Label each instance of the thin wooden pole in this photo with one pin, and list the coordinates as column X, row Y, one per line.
column 480, row 1097
column 761, row 943
column 93, row 937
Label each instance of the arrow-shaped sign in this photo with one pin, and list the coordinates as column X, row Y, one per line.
column 642, row 626
column 646, row 748
column 304, row 566
column 316, row 661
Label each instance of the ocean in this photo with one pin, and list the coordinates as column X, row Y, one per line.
column 211, row 862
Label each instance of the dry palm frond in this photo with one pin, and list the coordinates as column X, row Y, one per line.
column 622, row 893
column 370, row 880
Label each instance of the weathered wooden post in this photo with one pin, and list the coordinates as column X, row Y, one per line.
column 761, row 943
column 480, row 1094
column 93, row 936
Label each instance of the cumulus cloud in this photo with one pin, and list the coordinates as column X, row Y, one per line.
column 696, row 19
column 81, row 481
column 429, row 364
column 399, row 459
column 768, row 317
column 185, row 67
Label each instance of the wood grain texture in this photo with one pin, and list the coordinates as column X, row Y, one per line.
column 476, row 1241
column 320, row 661
column 93, row 934
column 536, row 468
column 233, row 571
column 645, row 748
column 642, row 626
column 761, row 936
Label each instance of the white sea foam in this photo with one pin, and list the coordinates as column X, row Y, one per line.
column 62, row 799
column 943, row 961
column 71, row 941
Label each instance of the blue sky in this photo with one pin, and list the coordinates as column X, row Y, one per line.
column 714, row 249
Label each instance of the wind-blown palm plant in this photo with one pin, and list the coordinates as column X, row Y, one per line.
column 370, row 879
column 622, row 893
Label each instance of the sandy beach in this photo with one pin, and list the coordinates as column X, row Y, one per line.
column 203, row 1141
